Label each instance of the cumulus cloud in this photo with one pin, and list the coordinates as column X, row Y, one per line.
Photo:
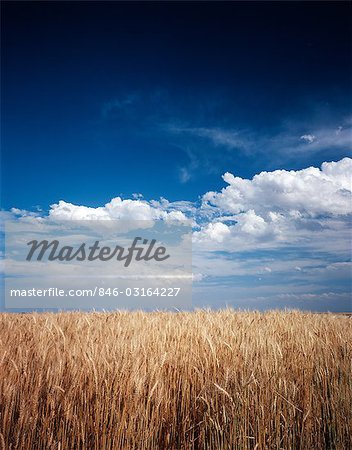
column 216, row 231
column 308, row 192
column 309, row 208
column 116, row 209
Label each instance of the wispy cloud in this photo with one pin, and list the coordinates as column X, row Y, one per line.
column 251, row 142
column 115, row 105
column 231, row 139
column 320, row 139
column 211, row 145
column 184, row 174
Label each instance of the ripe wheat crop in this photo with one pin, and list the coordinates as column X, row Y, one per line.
column 189, row 380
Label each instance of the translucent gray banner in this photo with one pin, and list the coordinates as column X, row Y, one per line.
column 97, row 264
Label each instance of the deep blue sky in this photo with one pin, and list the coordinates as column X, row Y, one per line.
column 101, row 99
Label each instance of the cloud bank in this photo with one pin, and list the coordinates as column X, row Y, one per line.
column 280, row 235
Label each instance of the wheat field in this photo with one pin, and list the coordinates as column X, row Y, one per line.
column 185, row 380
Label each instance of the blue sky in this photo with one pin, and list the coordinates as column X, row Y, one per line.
column 101, row 100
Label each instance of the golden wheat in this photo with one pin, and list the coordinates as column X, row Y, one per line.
column 188, row 380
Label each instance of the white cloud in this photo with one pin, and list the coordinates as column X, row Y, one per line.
column 116, row 209
column 309, row 138
column 217, row 232
column 249, row 222
column 25, row 213
column 307, row 192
